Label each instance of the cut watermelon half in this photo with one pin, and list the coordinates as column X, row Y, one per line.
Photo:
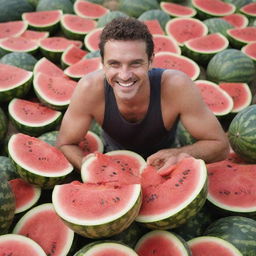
column 154, row 27
column 177, row 10
column 14, row 244
column 14, row 82
column 26, row 194
column 76, row 27
column 183, row 29
column 87, row 9
column 213, row 8
column 32, row 117
column 240, row 93
column 92, row 39
column 210, row 245
column 55, row 92
column 249, row 10
column 187, row 185
column 163, row 43
column 218, row 100
column 35, row 35
column 237, row 20
column 170, row 60
column 37, row 162
column 162, row 242
column 44, row 226
column 43, row 20
column 83, row 67
column 250, row 50
column 12, row 28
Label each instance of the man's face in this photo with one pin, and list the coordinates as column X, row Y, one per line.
column 126, row 67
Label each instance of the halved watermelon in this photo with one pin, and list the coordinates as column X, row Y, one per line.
column 249, row 10
column 43, row 20
column 163, row 43
column 14, row 244
column 26, row 194
column 162, row 242
column 218, row 100
column 238, row 20
column 35, row 35
column 177, row 10
column 55, row 92
column 76, row 27
column 250, row 50
column 87, row 9
column 183, row 29
column 43, row 225
column 175, row 61
column 92, row 39
column 12, row 28
column 83, row 67
column 187, row 185
column 154, row 27
column 38, row 162
column 32, row 117
column 14, row 82
column 212, row 8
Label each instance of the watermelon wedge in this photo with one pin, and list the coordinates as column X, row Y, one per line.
column 35, row 35
column 37, row 162
column 238, row 20
column 249, row 10
column 163, row 43
column 12, row 28
column 250, row 50
column 177, row 10
column 92, row 39
column 154, row 27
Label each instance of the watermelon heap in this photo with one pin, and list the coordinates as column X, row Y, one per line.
column 46, row 46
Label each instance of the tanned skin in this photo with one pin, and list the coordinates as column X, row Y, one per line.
column 125, row 66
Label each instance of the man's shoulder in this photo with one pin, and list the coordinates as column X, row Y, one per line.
column 92, row 79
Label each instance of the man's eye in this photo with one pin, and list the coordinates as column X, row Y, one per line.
column 114, row 64
column 136, row 64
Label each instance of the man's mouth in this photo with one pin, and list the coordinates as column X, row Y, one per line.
column 126, row 84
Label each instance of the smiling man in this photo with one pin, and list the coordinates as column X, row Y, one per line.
column 139, row 106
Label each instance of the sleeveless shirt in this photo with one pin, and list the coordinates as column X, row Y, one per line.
column 144, row 137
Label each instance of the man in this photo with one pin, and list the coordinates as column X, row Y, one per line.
column 138, row 107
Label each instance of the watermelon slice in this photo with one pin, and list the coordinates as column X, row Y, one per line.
column 43, row 20
column 32, row 117
column 87, row 9
column 76, row 27
column 210, row 246
column 212, row 8
column 14, row 82
column 44, row 226
column 187, row 181
column 154, row 27
column 55, row 92
column 218, row 100
column 177, row 10
column 12, row 28
column 249, row 10
column 14, row 244
column 26, row 194
column 238, row 20
column 92, row 39
column 250, row 50
column 163, row 43
column 183, row 29
column 37, row 162
column 83, row 67
column 175, row 61
column 35, row 35
column 240, row 93
column 160, row 243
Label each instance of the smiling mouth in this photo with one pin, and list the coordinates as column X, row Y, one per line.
column 126, row 84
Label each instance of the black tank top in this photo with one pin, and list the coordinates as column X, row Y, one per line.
column 144, row 137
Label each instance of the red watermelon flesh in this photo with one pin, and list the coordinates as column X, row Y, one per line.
column 19, row 44
column 240, row 93
column 38, row 156
column 238, row 20
column 247, row 34
column 12, row 28
column 42, row 18
column 250, row 50
column 154, row 27
column 92, row 39
column 177, row 10
column 11, row 76
column 91, row 143
column 58, row 43
column 26, row 194
column 249, row 9
column 175, row 61
column 72, row 55
column 34, row 35
column 45, row 227
column 32, row 112
column 218, row 101
column 163, row 43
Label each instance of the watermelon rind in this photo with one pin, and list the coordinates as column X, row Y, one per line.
column 36, row 176
column 3, row 124
column 237, row 20
column 104, row 227
column 47, row 5
column 8, row 168
column 46, row 207
column 92, row 47
column 249, row 10
column 217, row 25
column 50, row 137
column 184, row 211
column 21, row 241
column 217, row 241
column 249, row 50
column 12, row 28
column 109, row 17
column 241, row 133
column 28, row 127
column 167, row 43
column 177, row 10
column 181, row 247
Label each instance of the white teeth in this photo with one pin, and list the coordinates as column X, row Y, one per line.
column 126, row 84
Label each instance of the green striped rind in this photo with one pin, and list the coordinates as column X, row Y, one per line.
column 109, row 17
column 101, row 246
column 7, row 167
column 217, row 25
column 18, row 90
column 173, row 13
column 46, row 5
column 242, row 133
column 183, row 136
column 49, row 137
column 3, row 124
column 7, row 204
column 103, row 230
column 203, row 14
column 238, row 3
column 239, row 231
column 230, row 65
column 136, row 7
column 54, row 56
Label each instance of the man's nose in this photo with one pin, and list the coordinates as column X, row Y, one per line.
column 125, row 73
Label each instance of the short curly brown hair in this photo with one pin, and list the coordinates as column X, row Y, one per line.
column 126, row 28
